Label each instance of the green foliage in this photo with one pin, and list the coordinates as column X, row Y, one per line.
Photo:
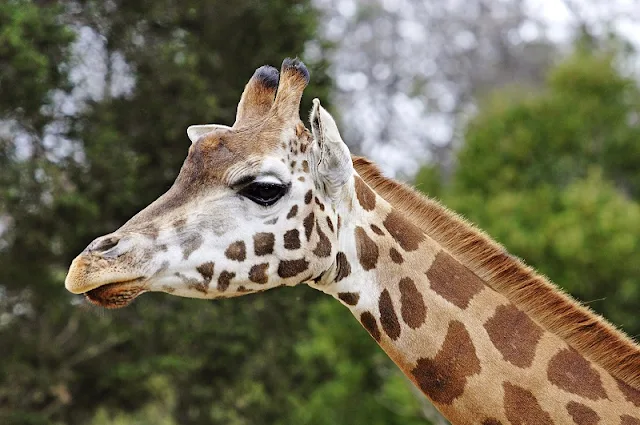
column 349, row 378
column 554, row 176
column 33, row 48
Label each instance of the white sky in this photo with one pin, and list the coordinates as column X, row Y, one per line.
column 560, row 20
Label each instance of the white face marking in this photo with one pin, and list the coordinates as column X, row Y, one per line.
column 268, row 179
column 274, row 168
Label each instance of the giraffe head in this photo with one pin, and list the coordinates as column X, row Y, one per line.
column 253, row 207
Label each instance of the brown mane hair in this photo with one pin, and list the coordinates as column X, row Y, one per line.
column 555, row 310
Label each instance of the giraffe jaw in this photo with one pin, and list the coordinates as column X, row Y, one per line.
column 116, row 294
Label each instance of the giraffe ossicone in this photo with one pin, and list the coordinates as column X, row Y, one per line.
column 266, row 203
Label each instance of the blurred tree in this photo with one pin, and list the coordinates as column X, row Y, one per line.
column 350, row 380
column 34, row 47
column 554, row 176
column 409, row 72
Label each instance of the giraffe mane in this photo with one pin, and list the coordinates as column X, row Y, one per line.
column 555, row 310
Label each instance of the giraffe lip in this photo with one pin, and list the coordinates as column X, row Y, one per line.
column 116, row 294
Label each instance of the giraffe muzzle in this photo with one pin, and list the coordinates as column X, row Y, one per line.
column 110, row 271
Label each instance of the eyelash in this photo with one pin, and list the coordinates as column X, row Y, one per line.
column 265, row 194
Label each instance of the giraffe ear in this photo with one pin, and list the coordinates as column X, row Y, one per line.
column 331, row 156
column 196, row 131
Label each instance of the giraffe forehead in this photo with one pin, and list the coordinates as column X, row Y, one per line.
column 224, row 154
column 268, row 169
column 211, row 166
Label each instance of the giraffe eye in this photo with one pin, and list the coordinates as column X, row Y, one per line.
column 265, row 194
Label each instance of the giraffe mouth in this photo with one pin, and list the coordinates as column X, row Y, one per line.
column 117, row 294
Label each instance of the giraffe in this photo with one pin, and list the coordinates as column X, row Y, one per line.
column 267, row 203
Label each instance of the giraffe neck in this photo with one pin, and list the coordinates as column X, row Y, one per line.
column 475, row 354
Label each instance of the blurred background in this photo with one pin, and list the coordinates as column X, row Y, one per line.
column 522, row 115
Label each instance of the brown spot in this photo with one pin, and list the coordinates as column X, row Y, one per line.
column 323, row 248
column 491, row 421
column 179, row 224
column 292, row 239
column 151, row 230
column 194, row 284
column 343, row 266
column 206, row 270
column 292, row 164
column 366, row 248
column 370, row 324
column 581, row 414
column 388, row 317
column 453, row 281
column 291, row 268
column 350, row 298
column 190, row 243
column 366, row 196
column 224, row 280
column 293, row 211
column 242, row 289
column 263, row 243
column 514, row 335
column 522, row 408
column 258, row 273
column 308, row 197
column 407, row 234
column 377, row 230
column 396, row 257
column 330, row 224
column 308, row 223
column 320, row 204
column 301, row 178
column 305, row 166
column 339, row 222
column 573, row 373
column 629, row 420
column 412, row 307
column 444, row 377
column 236, row 251
column 303, row 147
column 630, row 394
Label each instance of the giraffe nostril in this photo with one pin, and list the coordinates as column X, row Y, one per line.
column 103, row 244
